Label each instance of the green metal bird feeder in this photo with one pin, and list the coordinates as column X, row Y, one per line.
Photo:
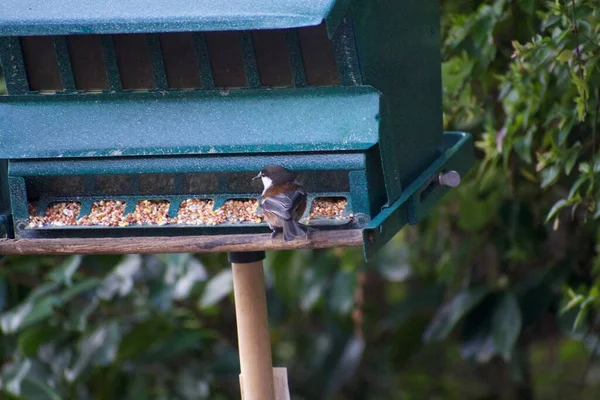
column 177, row 100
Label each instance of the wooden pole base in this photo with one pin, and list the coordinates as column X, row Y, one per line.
column 280, row 379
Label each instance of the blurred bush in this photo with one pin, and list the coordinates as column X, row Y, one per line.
column 494, row 296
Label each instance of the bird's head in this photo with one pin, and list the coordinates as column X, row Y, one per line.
column 275, row 175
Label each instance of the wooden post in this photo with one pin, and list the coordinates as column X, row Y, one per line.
column 252, row 326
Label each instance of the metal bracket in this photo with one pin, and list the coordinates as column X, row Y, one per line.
column 419, row 198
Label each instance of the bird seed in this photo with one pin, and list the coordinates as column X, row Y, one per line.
column 111, row 213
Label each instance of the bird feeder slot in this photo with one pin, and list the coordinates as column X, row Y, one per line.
column 150, row 119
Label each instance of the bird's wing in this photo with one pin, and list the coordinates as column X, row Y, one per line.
column 283, row 205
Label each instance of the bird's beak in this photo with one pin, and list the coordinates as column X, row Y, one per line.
column 256, row 177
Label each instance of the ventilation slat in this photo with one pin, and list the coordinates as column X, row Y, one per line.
column 291, row 36
column 87, row 62
column 250, row 60
column 318, row 56
column 156, row 58
column 133, row 57
column 64, row 63
column 180, row 60
column 41, row 63
column 226, row 58
column 110, row 62
column 206, row 75
column 273, row 58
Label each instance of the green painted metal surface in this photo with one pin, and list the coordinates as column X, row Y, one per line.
column 398, row 44
column 337, row 13
column 4, row 200
column 13, row 66
column 61, row 17
column 64, row 64
column 110, row 63
column 292, row 120
column 355, row 165
column 4, row 204
column 456, row 155
column 206, row 163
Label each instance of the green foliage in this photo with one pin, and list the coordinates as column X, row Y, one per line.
column 538, row 102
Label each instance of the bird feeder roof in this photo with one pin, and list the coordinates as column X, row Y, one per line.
column 63, row 17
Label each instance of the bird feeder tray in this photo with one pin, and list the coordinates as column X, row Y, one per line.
column 175, row 101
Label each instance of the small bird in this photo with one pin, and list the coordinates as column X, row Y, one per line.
column 283, row 201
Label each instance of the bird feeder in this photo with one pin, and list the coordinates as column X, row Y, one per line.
column 147, row 108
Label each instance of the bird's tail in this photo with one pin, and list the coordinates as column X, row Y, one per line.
column 292, row 230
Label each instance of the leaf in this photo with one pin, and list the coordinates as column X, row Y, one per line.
column 517, row 46
column 549, row 175
column 181, row 341
column 480, row 347
column 14, row 374
column 38, row 309
column 577, row 185
column 195, row 272
column 42, row 290
column 89, row 347
column 286, row 272
column 342, row 292
column 565, row 56
column 190, row 386
column 219, row 287
column 480, row 212
column 581, row 316
column 506, row 325
column 79, row 318
column 120, row 280
column 79, row 288
column 64, row 272
column 142, row 336
column 49, row 391
column 450, row 313
column 30, row 340
column 528, row 6
column 11, row 320
column 571, row 159
column 175, row 260
column 575, row 301
column 559, row 205
column 551, row 20
column 394, row 262
column 584, row 94
column 585, row 167
column 139, row 389
column 107, row 353
column 417, row 301
column 342, row 368
column 313, row 284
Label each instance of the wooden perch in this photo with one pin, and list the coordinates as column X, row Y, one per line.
column 179, row 244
